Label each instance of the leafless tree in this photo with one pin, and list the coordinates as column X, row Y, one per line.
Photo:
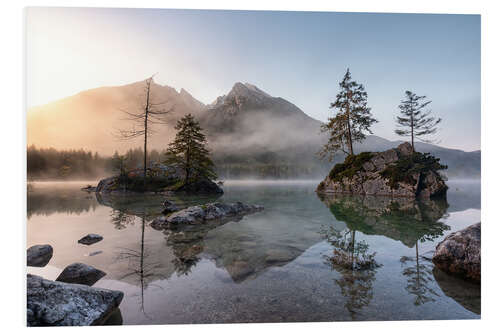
column 149, row 113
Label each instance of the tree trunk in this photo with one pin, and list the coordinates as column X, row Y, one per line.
column 349, row 137
column 146, row 134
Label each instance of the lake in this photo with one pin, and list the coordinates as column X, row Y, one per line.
column 303, row 258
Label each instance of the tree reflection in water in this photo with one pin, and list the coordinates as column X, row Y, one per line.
column 140, row 266
column 356, row 265
column 121, row 219
column 409, row 221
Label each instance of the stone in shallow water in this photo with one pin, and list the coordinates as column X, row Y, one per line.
column 53, row 303
column 90, row 239
column 39, row 255
column 81, row 274
column 205, row 213
column 460, row 253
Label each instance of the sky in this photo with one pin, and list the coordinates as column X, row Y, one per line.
column 299, row 56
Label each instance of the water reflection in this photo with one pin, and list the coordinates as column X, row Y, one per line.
column 46, row 201
column 405, row 220
column 142, row 269
column 465, row 293
column 357, row 266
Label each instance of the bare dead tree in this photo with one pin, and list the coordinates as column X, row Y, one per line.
column 148, row 114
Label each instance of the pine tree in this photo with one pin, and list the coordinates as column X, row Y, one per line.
column 188, row 150
column 414, row 121
column 352, row 120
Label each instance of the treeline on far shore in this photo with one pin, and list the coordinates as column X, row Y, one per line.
column 53, row 164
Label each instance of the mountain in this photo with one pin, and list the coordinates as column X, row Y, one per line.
column 91, row 119
column 250, row 132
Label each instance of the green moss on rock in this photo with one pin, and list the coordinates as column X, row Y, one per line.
column 404, row 169
column 351, row 165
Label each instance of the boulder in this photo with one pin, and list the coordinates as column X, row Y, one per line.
column 203, row 186
column 90, row 239
column 39, row 255
column 53, row 303
column 81, row 274
column 170, row 207
column 396, row 172
column 460, row 253
column 204, row 213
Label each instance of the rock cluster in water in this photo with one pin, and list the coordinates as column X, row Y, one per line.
column 39, row 255
column 53, row 303
column 460, row 253
column 395, row 172
column 204, row 213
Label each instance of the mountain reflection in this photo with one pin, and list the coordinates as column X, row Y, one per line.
column 401, row 219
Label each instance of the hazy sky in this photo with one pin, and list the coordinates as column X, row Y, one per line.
column 300, row 56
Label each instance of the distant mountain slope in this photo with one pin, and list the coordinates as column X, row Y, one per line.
column 90, row 118
column 250, row 132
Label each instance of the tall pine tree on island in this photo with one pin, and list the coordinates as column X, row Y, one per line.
column 414, row 121
column 188, row 150
column 352, row 120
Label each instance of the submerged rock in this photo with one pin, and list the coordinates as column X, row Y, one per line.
column 53, row 303
column 39, row 255
column 204, row 213
column 466, row 293
column 81, row 274
column 90, row 239
column 395, row 172
column 460, row 253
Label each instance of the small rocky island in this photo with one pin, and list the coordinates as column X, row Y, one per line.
column 397, row 172
column 161, row 178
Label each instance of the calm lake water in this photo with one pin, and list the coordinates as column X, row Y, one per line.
column 303, row 258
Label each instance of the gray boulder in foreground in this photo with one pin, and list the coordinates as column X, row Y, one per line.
column 460, row 253
column 39, row 255
column 81, row 274
column 90, row 239
column 52, row 303
column 204, row 213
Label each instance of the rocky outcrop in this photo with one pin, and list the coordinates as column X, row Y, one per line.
column 90, row 239
column 396, row 172
column 205, row 213
column 52, row 303
column 39, row 255
column 161, row 179
column 460, row 253
column 81, row 274
column 203, row 186
column 169, row 207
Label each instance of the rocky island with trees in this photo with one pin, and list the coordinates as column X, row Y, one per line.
column 396, row 173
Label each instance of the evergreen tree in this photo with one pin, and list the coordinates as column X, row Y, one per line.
column 188, row 150
column 352, row 120
column 414, row 121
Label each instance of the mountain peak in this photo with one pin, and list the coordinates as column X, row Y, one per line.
column 247, row 89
